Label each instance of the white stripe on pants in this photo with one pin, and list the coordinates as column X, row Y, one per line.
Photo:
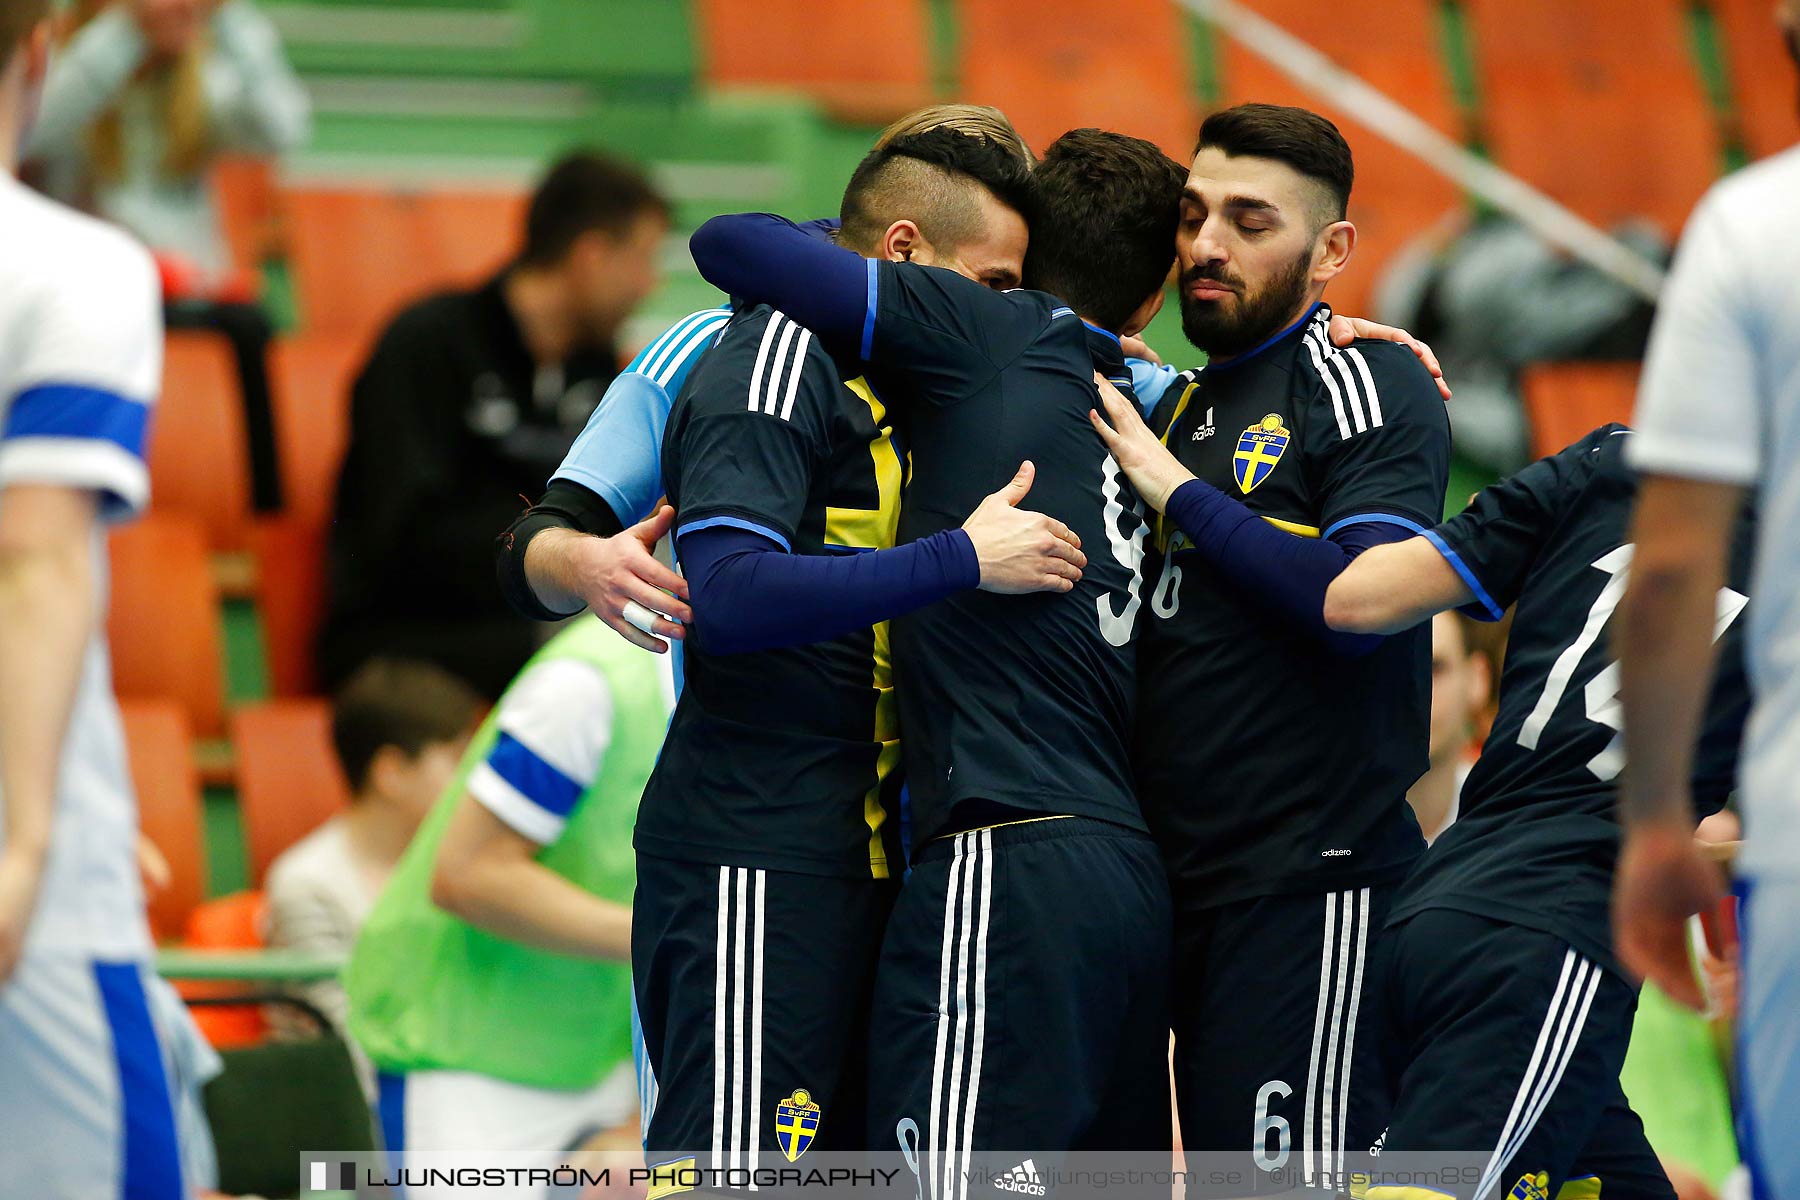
column 738, row 1018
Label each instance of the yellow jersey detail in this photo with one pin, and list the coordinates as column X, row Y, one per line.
column 1294, row 527
column 1388, row 1192
column 875, row 529
column 1187, row 394
column 1005, row 824
column 666, row 1179
column 1531, row 1187
column 1162, row 521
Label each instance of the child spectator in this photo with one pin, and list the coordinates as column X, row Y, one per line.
column 399, row 728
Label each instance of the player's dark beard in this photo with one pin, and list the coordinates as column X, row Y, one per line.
column 1224, row 334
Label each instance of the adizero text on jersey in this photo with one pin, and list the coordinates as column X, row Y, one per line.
column 1024, row 702
column 1537, row 838
column 782, row 759
column 1267, row 763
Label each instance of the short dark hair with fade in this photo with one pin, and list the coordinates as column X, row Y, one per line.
column 585, row 191
column 1103, row 237
column 398, row 702
column 925, row 177
column 1299, row 137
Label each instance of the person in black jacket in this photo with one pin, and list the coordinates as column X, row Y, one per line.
column 468, row 402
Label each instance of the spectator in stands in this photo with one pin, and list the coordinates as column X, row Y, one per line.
column 469, row 402
column 1461, row 687
column 491, row 984
column 1494, row 298
column 399, row 728
column 142, row 99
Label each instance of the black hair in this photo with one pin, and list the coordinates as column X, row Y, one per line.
column 1103, row 237
column 1302, row 139
column 585, row 191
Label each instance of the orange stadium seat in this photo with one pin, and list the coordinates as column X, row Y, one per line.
column 289, row 780
column 1762, row 77
column 163, row 624
column 168, row 796
column 360, row 255
column 1566, row 401
column 1393, row 47
column 1598, row 103
column 865, row 60
column 290, row 599
column 1056, row 65
column 233, row 922
column 199, row 461
column 312, row 378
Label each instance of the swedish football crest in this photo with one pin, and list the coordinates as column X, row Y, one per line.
column 796, row 1123
column 1259, row 448
column 1531, row 1187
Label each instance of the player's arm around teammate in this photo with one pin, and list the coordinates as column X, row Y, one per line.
column 573, row 549
column 1299, row 575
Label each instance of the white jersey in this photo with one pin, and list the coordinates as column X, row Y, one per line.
column 80, row 362
column 1721, row 401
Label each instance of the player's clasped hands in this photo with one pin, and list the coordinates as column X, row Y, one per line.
column 1153, row 471
column 1020, row 550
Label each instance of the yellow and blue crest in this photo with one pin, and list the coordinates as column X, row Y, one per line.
column 1531, row 1187
column 1259, row 448
column 796, row 1123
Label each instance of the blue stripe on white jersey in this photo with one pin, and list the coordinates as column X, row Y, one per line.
column 555, row 726
column 68, row 410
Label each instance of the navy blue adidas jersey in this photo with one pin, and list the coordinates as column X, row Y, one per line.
column 1023, row 702
column 782, row 758
column 1266, row 762
column 1536, row 839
